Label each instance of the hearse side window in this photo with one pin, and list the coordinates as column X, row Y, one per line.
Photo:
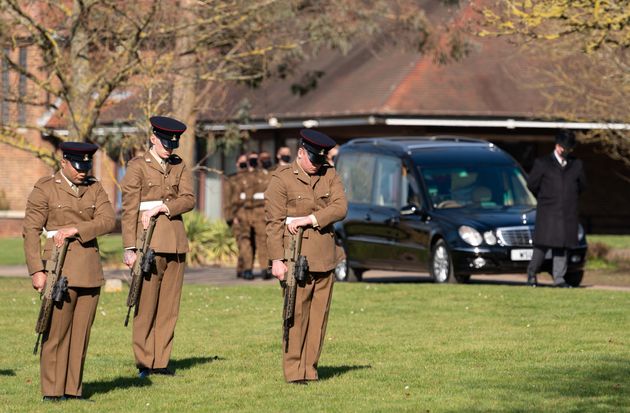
column 355, row 170
column 411, row 190
column 387, row 190
column 518, row 193
column 472, row 186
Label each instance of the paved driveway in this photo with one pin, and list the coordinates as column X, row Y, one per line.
column 226, row 276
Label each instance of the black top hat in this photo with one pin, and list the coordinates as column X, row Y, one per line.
column 316, row 144
column 566, row 139
column 168, row 130
column 79, row 154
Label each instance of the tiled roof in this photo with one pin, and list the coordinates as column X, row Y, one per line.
column 489, row 82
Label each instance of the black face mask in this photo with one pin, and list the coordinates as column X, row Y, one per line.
column 253, row 162
column 242, row 165
column 266, row 163
column 285, row 158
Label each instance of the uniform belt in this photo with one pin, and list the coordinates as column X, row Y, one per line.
column 147, row 205
column 50, row 234
column 291, row 219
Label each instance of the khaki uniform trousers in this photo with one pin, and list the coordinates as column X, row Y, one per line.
column 157, row 312
column 256, row 229
column 65, row 345
column 306, row 337
column 236, row 233
column 244, row 243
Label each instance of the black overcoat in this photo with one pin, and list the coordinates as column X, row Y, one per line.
column 556, row 190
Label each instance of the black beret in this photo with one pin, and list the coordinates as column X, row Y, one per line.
column 79, row 154
column 168, row 130
column 316, row 142
column 565, row 138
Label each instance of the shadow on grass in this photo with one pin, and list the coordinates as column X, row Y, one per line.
column 328, row 372
column 187, row 363
column 397, row 278
column 412, row 278
column 102, row 387
column 598, row 387
column 7, row 372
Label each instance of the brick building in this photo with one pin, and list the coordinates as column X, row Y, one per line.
column 20, row 168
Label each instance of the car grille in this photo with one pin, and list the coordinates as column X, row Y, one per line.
column 515, row 236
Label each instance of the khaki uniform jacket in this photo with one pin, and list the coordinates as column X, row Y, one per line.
column 146, row 181
column 293, row 193
column 258, row 183
column 54, row 205
column 240, row 184
column 227, row 204
column 231, row 196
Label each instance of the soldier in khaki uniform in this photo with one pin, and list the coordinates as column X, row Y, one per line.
column 68, row 204
column 247, row 236
column 241, row 196
column 306, row 194
column 283, row 156
column 157, row 184
column 232, row 205
column 255, row 209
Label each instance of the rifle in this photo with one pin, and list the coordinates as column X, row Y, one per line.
column 297, row 271
column 144, row 259
column 54, row 291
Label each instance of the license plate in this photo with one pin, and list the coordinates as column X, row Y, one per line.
column 521, row 255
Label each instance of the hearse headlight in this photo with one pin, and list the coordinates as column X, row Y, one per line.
column 490, row 238
column 580, row 232
column 470, row 235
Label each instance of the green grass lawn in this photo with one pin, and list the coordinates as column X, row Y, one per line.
column 389, row 348
column 12, row 249
column 613, row 241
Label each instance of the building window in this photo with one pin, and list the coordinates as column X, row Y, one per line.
column 4, row 104
column 22, row 88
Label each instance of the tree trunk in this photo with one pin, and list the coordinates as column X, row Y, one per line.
column 79, row 91
column 185, row 82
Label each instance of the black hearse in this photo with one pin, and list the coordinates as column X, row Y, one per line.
column 453, row 206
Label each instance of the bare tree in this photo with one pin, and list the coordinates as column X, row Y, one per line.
column 175, row 56
column 583, row 51
column 87, row 50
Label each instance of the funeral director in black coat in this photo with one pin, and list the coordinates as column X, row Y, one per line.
column 556, row 180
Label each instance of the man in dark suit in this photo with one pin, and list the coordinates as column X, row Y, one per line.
column 556, row 180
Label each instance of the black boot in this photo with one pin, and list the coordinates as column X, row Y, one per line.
column 53, row 398
column 531, row 280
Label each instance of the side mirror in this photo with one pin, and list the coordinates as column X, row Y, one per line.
column 409, row 210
